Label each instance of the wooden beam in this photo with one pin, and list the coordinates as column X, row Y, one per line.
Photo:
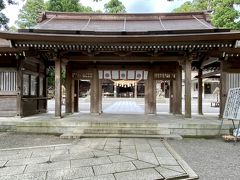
column 188, row 82
column 210, row 74
column 208, row 61
column 110, row 58
column 58, row 88
column 200, row 92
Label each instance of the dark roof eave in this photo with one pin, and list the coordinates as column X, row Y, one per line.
column 192, row 31
column 78, row 38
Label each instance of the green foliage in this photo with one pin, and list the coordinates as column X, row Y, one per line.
column 224, row 14
column 67, row 6
column 114, row 6
column 29, row 13
column 3, row 19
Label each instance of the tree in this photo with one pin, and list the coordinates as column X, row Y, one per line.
column 114, row 6
column 224, row 12
column 3, row 19
column 28, row 14
column 67, row 6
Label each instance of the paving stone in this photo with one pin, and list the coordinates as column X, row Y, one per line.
column 65, row 157
column 144, row 174
column 175, row 168
column 79, row 150
column 155, row 143
column 144, row 148
column 70, row 173
column 63, row 147
column 119, row 158
column 26, row 161
column 148, row 158
column 101, row 177
column 130, row 155
column 128, row 149
column 29, row 176
column 103, row 153
column 127, row 142
column 142, row 165
column 11, row 170
column 90, row 161
column 8, row 152
column 101, row 147
column 2, row 163
column 168, row 173
column 115, row 151
column 48, row 166
column 15, row 156
column 113, row 168
column 167, row 161
column 50, row 152
column 161, row 152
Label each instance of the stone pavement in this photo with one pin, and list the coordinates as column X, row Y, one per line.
column 126, row 107
column 95, row 159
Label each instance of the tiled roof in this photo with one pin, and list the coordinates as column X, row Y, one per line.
column 123, row 22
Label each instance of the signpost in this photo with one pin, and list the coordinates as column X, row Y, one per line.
column 232, row 109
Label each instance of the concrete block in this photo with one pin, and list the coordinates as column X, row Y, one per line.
column 18, row 162
column 101, row 177
column 144, row 174
column 13, row 170
column 29, row 176
column 48, row 166
column 142, row 165
column 113, row 168
column 184, row 132
column 73, row 173
column 148, row 158
column 169, row 173
column 90, row 161
column 119, row 158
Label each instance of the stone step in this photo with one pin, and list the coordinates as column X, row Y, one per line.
column 126, row 125
column 76, row 136
column 150, row 131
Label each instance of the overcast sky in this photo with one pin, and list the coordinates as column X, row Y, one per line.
column 132, row 6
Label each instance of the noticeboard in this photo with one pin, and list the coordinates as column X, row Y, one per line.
column 232, row 106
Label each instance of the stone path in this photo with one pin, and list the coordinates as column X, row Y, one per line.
column 129, row 107
column 95, row 159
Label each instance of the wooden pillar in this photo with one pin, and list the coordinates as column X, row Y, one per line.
column 94, row 107
column 178, row 91
column 171, row 97
column 188, row 96
column 115, row 90
column 150, row 94
column 58, row 88
column 100, row 96
column 68, row 103
column 19, row 88
column 76, row 96
column 223, row 89
column 135, row 90
column 200, row 91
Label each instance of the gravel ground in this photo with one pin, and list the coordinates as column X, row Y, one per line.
column 210, row 158
column 15, row 140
